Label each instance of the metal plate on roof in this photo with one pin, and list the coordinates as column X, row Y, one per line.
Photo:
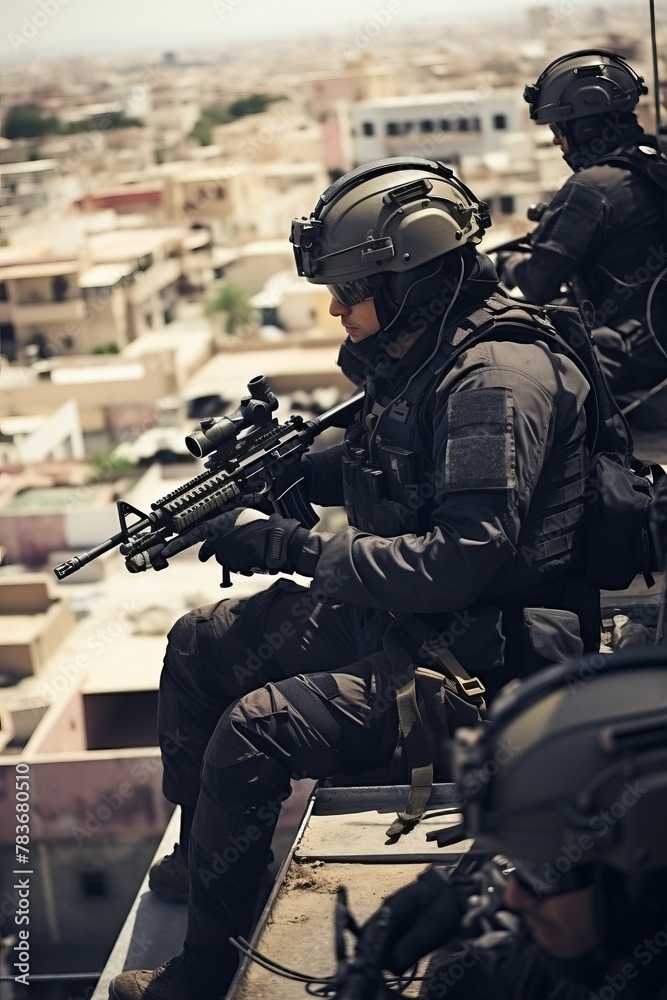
column 362, row 837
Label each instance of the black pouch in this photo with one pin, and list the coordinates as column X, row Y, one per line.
column 617, row 524
column 443, row 711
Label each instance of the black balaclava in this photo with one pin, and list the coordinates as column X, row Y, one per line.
column 417, row 301
column 594, row 136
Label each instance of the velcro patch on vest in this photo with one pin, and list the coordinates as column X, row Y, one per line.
column 480, row 445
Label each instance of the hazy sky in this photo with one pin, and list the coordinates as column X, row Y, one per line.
column 33, row 29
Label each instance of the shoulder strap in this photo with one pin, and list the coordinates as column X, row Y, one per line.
column 567, row 330
column 474, row 329
column 564, row 328
column 650, row 165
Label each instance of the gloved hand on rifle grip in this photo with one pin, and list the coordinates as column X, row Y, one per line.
column 422, row 916
column 247, row 541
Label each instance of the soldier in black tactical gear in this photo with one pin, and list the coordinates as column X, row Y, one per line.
column 605, row 231
column 572, row 901
column 463, row 478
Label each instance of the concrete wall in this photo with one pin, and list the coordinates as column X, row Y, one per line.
column 93, row 820
column 32, row 625
column 89, row 796
column 251, row 271
column 30, row 538
column 119, row 402
column 24, row 596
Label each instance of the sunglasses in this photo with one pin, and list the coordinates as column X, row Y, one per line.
column 544, row 880
column 351, row 293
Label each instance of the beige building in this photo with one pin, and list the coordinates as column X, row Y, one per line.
column 40, row 302
column 294, row 305
column 122, row 283
column 359, row 79
column 33, row 624
column 32, row 186
column 280, row 133
column 81, row 733
column 117, row 397
column 244, row 200
column 39, row 438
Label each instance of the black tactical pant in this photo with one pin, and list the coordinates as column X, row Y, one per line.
column 255, row 692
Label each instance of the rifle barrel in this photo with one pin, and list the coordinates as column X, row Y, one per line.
column 346, row 409
column 83, row 558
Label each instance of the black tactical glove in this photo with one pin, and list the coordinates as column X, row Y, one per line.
column 422, row 916
column 247, row 541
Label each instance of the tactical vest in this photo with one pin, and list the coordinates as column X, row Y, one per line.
column 390, row 485
column 620, row 270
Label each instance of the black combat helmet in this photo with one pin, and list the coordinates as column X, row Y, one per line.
column 387, row 217
column 572, row 768
column 583, row 83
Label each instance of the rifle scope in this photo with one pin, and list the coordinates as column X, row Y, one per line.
column 220, row 435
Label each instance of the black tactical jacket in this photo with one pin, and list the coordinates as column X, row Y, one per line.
column 473, row 516
column 510, row 966
column 605, row 229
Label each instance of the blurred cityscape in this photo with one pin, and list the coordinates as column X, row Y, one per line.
column 145, row 277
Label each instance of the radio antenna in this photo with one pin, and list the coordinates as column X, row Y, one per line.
column 656, row 75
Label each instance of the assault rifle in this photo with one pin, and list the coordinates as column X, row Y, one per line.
column 249, row 454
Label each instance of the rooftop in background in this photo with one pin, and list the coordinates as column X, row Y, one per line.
column 103, row 275
column 28, row 167
column 57, row 497
column 445, row 97
column 38, row 269
column 129, row 244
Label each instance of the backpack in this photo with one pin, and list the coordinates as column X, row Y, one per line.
column 620, row 486
column 644, row 160
column 650, row 163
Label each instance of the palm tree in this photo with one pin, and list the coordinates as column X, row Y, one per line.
column 234, row 302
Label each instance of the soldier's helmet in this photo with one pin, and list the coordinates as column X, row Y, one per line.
column 572, row 768
column 387, row 217
column 583, row 83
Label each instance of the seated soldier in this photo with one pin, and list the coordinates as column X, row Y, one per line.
column 464, row 487
column 604, row 231
column 578, row 805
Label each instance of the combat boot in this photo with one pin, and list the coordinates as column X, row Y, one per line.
column 169, row 878
column 169, row 982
